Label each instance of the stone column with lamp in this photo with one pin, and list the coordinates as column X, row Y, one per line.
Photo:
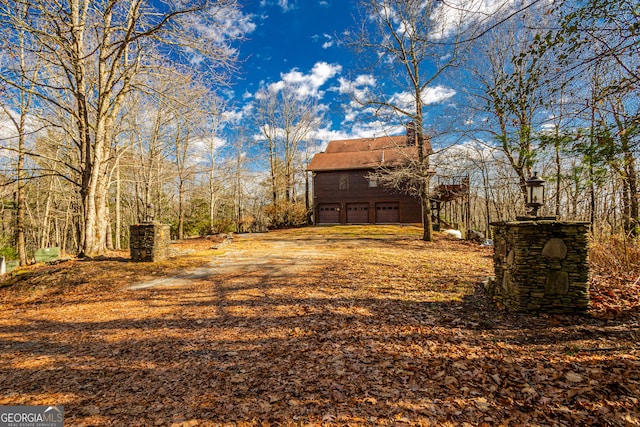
column 540, row 263
column 149, row 241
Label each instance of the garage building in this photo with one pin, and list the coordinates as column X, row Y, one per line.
column 344, row 191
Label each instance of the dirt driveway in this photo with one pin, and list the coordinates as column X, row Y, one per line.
column 272, row 255
column 320, row 326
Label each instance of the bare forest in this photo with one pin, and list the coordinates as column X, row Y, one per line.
column 106, row 122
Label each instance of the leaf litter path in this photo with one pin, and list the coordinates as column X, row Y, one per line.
column 320, row 326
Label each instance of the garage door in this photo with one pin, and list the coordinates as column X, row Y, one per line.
column 388, row 212
column 357, row 213
column 329, row 213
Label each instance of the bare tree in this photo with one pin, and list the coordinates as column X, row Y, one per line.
column 515, row 90
column 95, row 55
column 407, row 40
column 597, row 32
column 286, row 119
column 17, row 104
column 614, row 130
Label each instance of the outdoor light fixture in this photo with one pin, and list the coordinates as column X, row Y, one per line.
column 535, row 193
column 151, row 213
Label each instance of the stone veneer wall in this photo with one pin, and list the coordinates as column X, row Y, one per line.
column 149, row 242
column 541, row 266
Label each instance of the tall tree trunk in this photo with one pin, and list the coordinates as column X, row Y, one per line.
column 487, row 199
column 592, row 194
column 20, row 202
column 118, row 236
column 46, row 218
column 95, row 197
column 425, row 197
column 212, row 200
column 634, row 208
column 558, row 175
column 272, row 163
column 25, row 103
column 109, row 230
column 628, row 172
column 181, row 209
column 307, row 198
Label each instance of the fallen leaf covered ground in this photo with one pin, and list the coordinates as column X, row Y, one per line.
column 315, row 326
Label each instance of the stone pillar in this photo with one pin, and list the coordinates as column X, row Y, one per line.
column 149, row 241
column 541, row 266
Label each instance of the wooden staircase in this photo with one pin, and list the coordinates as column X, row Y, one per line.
column 449, row 189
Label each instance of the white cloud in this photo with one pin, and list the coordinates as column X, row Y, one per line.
column 358, row 88
column 216, row 26
column 358, row 130
column 220, row 24
column 323, row 135
column 437, row 94
column 403, row 100
column 204, row 149
column 206, row 144
column 447, row 17
column 307, row 85
column 323, row 71
column 431, row 95
column 236, row 116
column 375, row 128
column 453, row 15
column 285, row 5
column 328, row 41
column 461, row 158
column 237, row 24
column 7, row 129
column 327, row 44
column 355, row 112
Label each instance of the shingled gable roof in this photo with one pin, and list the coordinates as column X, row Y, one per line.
column 365, row 153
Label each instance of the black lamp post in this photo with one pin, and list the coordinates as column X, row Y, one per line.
column 151, row 213
column 535, row 193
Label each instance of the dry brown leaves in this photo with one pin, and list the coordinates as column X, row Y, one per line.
column 321, row 328
column 615, row 277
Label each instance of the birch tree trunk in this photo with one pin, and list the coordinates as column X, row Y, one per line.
column 117, row 237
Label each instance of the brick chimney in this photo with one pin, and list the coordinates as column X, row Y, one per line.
column 411, row 133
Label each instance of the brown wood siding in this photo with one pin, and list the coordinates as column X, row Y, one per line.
column 355, row 189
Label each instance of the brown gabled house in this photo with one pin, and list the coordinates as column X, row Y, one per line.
column 342, row 191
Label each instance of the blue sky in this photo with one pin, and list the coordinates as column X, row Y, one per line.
column 296, row 41
column 300, row 42
column 290, row 36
